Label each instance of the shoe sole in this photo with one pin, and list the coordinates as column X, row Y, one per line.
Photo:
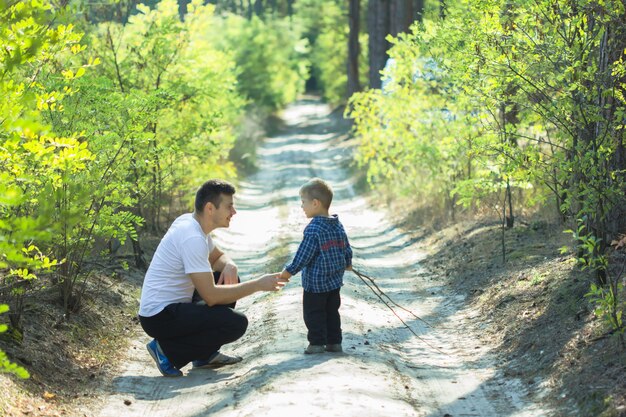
column 156, row 361
column 334, row 350
column 216, row 365
column 213, row 365
column 218, row 362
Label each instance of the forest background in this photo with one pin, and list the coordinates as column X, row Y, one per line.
column 110, row 110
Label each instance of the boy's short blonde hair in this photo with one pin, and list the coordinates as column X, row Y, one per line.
column 319, row 189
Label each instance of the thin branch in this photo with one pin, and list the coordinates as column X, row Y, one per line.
column 379, row 293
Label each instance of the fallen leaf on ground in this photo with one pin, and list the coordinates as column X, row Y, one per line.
column 48, row 396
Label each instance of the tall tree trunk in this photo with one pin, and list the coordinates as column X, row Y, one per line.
column 418, row 9
column 612, row 49
column 401, row 15
column 232, row 6
column 140, row 261
column 258, row 7
column 386, row 17
column 596, row 133
column 353, row 47
column 182, row 8
column 510, row 219
column 609, row 218
column 378, row 23
column 509, row 110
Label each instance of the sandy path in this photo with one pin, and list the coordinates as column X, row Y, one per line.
column 385, row 369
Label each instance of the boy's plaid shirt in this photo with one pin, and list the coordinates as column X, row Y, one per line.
column 323, row 255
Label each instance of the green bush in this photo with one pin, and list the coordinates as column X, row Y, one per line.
column 330, row 54
column 96, row 144
column 39, row 73
column 270, row 57
column 6, row 366
column 521, row 101
column 325, row 25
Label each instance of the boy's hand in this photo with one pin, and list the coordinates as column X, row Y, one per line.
column 349, row 268
column 285, row 275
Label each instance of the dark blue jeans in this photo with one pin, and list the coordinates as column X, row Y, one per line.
column 321, row 316
column 190, row 331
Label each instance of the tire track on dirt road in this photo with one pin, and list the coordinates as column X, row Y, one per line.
column 385, row 370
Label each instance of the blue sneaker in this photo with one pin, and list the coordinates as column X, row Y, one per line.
column 164, row 365
column 216, row 360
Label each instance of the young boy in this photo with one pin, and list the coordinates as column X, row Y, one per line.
column 323, row 256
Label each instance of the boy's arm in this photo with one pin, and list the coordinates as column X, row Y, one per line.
column 306, row 253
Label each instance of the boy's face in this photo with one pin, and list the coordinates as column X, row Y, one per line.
column 309, row 205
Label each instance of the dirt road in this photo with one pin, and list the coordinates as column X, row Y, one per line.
column 385, row 370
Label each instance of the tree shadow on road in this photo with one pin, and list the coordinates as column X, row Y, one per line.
column 260, row 376
column 531, row 308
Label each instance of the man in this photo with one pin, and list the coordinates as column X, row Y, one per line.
column 185, row 261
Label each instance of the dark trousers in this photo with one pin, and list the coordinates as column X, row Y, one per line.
column 321, row 316
column 190, row 331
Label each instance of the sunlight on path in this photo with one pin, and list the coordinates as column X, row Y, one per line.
column 385, row 370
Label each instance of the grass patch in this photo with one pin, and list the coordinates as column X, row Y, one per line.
column 70, row 357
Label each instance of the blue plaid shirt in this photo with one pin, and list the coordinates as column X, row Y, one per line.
column 323, row 255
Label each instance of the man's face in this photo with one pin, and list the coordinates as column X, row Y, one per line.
column 226, row 210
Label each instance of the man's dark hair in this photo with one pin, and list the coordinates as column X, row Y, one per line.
column 211, row 191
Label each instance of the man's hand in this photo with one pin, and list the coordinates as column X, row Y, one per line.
column 271, row 282
column 228, row 274
column 221, row 262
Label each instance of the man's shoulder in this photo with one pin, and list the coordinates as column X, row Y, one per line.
column 183, row 219
column 186, row 227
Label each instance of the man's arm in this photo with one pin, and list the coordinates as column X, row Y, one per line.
column 227, row 294
column 221, row 262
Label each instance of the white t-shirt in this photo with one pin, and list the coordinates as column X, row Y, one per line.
column 183, row 250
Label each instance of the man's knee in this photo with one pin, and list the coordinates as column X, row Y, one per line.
column 239, row 324
column 232, row 323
